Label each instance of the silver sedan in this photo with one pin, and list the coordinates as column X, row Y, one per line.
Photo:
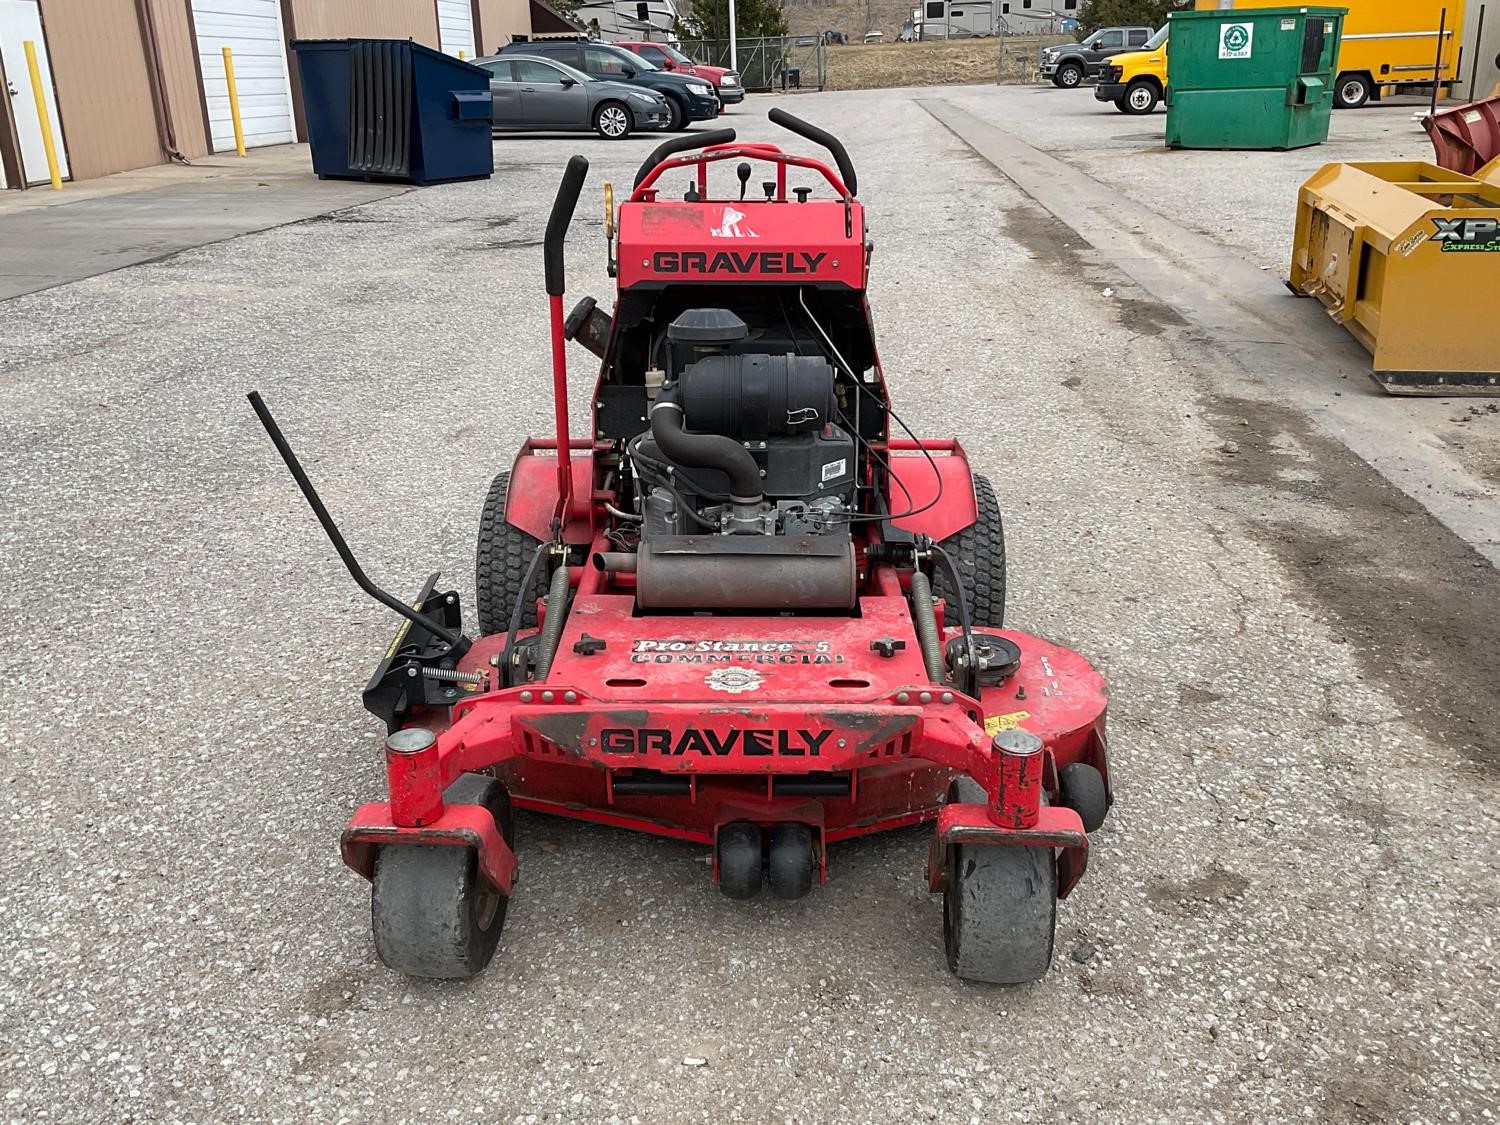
column 533, row 94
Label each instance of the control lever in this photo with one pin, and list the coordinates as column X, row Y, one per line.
column 743, row 172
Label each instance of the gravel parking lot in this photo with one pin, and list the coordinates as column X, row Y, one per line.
column 1291, row 913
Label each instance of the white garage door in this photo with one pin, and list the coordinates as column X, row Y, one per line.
column 456, row 27
column 251, row 29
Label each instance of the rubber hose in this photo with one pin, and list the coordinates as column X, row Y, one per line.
column 705, row 451
column 925, row 620
column 552, row 627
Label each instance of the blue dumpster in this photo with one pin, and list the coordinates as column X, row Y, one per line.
column 390, row 109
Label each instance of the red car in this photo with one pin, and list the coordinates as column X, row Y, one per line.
column 666, row 57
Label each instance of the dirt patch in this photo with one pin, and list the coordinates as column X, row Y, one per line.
column 933, row 63
column 1419, row 608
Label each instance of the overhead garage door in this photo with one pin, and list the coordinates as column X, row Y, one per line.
column 251, row 29
column 456, row 27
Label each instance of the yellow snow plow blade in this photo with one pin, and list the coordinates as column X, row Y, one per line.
column 1406, row 255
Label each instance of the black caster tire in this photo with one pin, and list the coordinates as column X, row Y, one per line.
column 1000, row 913
column 791, row 860
column 1083, row 791
column 432, row 914
column 999, row 906
column 740, row 868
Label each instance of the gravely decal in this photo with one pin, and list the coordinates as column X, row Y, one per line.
column 751, row 742
column 733, row 261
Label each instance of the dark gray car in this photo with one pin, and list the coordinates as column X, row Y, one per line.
column 541, row 95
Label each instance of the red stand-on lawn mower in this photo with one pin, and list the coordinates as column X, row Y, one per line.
column 739, row 612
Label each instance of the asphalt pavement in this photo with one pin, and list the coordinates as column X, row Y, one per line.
column 1289, row 915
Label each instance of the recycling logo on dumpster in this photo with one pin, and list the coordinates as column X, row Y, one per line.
column 1235, row 40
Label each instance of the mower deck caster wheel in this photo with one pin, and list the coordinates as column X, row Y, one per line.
column 1083, row 792
column 740, row 868
column 999, row 907
column 432, row 913
column 791, row 860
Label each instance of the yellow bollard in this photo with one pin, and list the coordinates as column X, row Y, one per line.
column 234, row 103
column 41, row 114
column 461, row 56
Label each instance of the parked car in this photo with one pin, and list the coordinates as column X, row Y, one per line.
column 666, row 57
column 688, row 99
column 874, row 36
column 536, row 94
column 1068, row 64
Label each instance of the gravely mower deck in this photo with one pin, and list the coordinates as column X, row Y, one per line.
column 742, row 613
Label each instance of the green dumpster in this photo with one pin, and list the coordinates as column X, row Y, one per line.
column 1253, row 78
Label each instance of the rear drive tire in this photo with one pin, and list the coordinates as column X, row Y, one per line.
column 432, row 914
column 1141, row 97
column 1069, row 76
column 676, row 116
column 1351, row 91
column 500, row 562
column 978, row 551
column 612, row 121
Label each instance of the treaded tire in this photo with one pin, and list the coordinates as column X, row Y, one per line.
column 500, row 563
column 1072, row 69
column 614, row 115
column 1352, row 91
column 1141, row 97
column 431, row 913
column 676, row 116
column 978, row 551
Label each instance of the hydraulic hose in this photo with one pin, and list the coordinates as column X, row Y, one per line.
column 704, row 451
column 552, row 627
column 925, row 620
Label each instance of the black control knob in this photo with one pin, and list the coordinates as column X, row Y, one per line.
column 743, row 172
column 769, row 187
column 802, row 193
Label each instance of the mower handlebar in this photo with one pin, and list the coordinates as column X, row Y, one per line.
column 822, row 137
column 557, row 223
column 682, row 144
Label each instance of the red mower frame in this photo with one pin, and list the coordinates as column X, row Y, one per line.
column 767, row 733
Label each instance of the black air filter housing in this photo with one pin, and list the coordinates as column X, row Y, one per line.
column 752, row 397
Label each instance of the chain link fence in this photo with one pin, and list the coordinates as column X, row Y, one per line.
column 781, row 62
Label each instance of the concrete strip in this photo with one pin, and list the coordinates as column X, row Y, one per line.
column 52, row 238
column 1297, row 352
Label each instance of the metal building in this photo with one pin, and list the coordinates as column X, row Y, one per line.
column 131, row 83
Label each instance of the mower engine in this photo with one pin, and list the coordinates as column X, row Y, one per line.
column 746, row 482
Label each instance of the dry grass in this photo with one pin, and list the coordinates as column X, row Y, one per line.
column 934, row 63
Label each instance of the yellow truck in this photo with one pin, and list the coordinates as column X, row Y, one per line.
column 1388, row 44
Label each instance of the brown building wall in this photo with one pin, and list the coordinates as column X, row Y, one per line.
column 103, row 89
column 180, row 78
column 497, row 21
column 362, row 19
